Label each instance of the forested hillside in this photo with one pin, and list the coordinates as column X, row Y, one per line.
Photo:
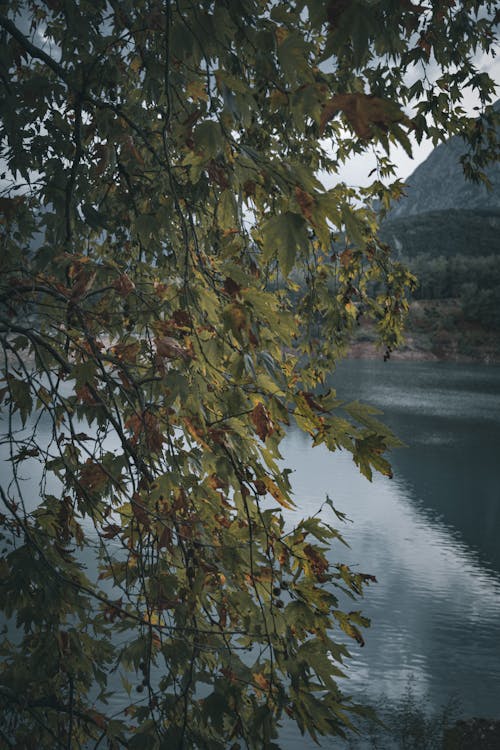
column 443, row 212
column 446, row 228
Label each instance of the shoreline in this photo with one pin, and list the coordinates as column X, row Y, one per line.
column 367, row 350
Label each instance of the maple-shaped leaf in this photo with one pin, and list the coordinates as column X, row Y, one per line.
column 306, row 203
column 168, row 347
column 334, row 11
column 273, row 489
column 93, row 477
column 262, row 421
column 261, row 680
column 363, row 111
column 124, row 285
column 84, row 280
column 126, row 352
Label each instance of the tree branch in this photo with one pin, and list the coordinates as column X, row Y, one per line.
column 34, row 51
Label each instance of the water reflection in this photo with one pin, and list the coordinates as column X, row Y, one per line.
column 429, row 535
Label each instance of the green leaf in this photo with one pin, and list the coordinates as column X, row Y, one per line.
column 208, row 139
column 227, row 210
column 21, row 397
column 285, row 236
column 293, row 54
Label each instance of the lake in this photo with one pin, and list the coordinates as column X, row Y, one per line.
column 430, row 535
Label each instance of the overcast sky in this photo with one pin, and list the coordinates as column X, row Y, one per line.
column 357, row 170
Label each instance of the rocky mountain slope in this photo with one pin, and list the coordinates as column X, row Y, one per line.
column 443, row 213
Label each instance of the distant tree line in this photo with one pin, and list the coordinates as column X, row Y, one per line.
column 473, row 280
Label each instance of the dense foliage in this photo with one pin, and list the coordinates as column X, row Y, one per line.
column 160, row 184
column 472, row 280
column 446, row 232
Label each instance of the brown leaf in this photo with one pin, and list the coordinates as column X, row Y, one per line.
column 84, row 394
column 127, row 352
column 311, row 401
column 93, row 477
column 10, row 206
column 249, row 188
column 362, row 111
column 140, row 511
column 223, row 520
column 345, row 258
column 281, row 34
column 134, row 424
column 131, row 151
column 237, row 318
column 84, row 281
column 262, row 421
column 306, row 203
column 153, row 433
column 165, row 539
column 124, row 285
column 182, row 319
column 196, row 433
column 148, row 424
column 168, row 347
column 111, row 530
column 218, row 436
column 318, row 563
column 231, row 287
column 101, row 154
column 275, row 491
column 260, row 487
column 218, row 174
column 261, row 680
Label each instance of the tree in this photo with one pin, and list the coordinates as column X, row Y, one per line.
column 161, row 197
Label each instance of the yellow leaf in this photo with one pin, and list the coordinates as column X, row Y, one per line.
column 275, row 491
column 197, row 91
column 261, row 680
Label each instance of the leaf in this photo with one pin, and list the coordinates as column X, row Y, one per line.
column 227, row 210
column 362, row 111
column 9, row 207
column 368, row 453
column 261, row 681
column 124, row 285
column 140, row 511
column 95, row 219
column 93, row 477
column 20, row 393
column 277, row 494
column 293, row 56
column 127, row 352
column 83, row 282
column 284, row 235
column 355, row 231
column 196, row 90
column 262, row 421
column 306, row 203
column 235, row 317
column 208, row 139
column 170, row 348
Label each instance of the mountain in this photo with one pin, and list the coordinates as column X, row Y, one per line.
column 443, row 213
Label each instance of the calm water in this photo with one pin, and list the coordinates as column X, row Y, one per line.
column 430, row 535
